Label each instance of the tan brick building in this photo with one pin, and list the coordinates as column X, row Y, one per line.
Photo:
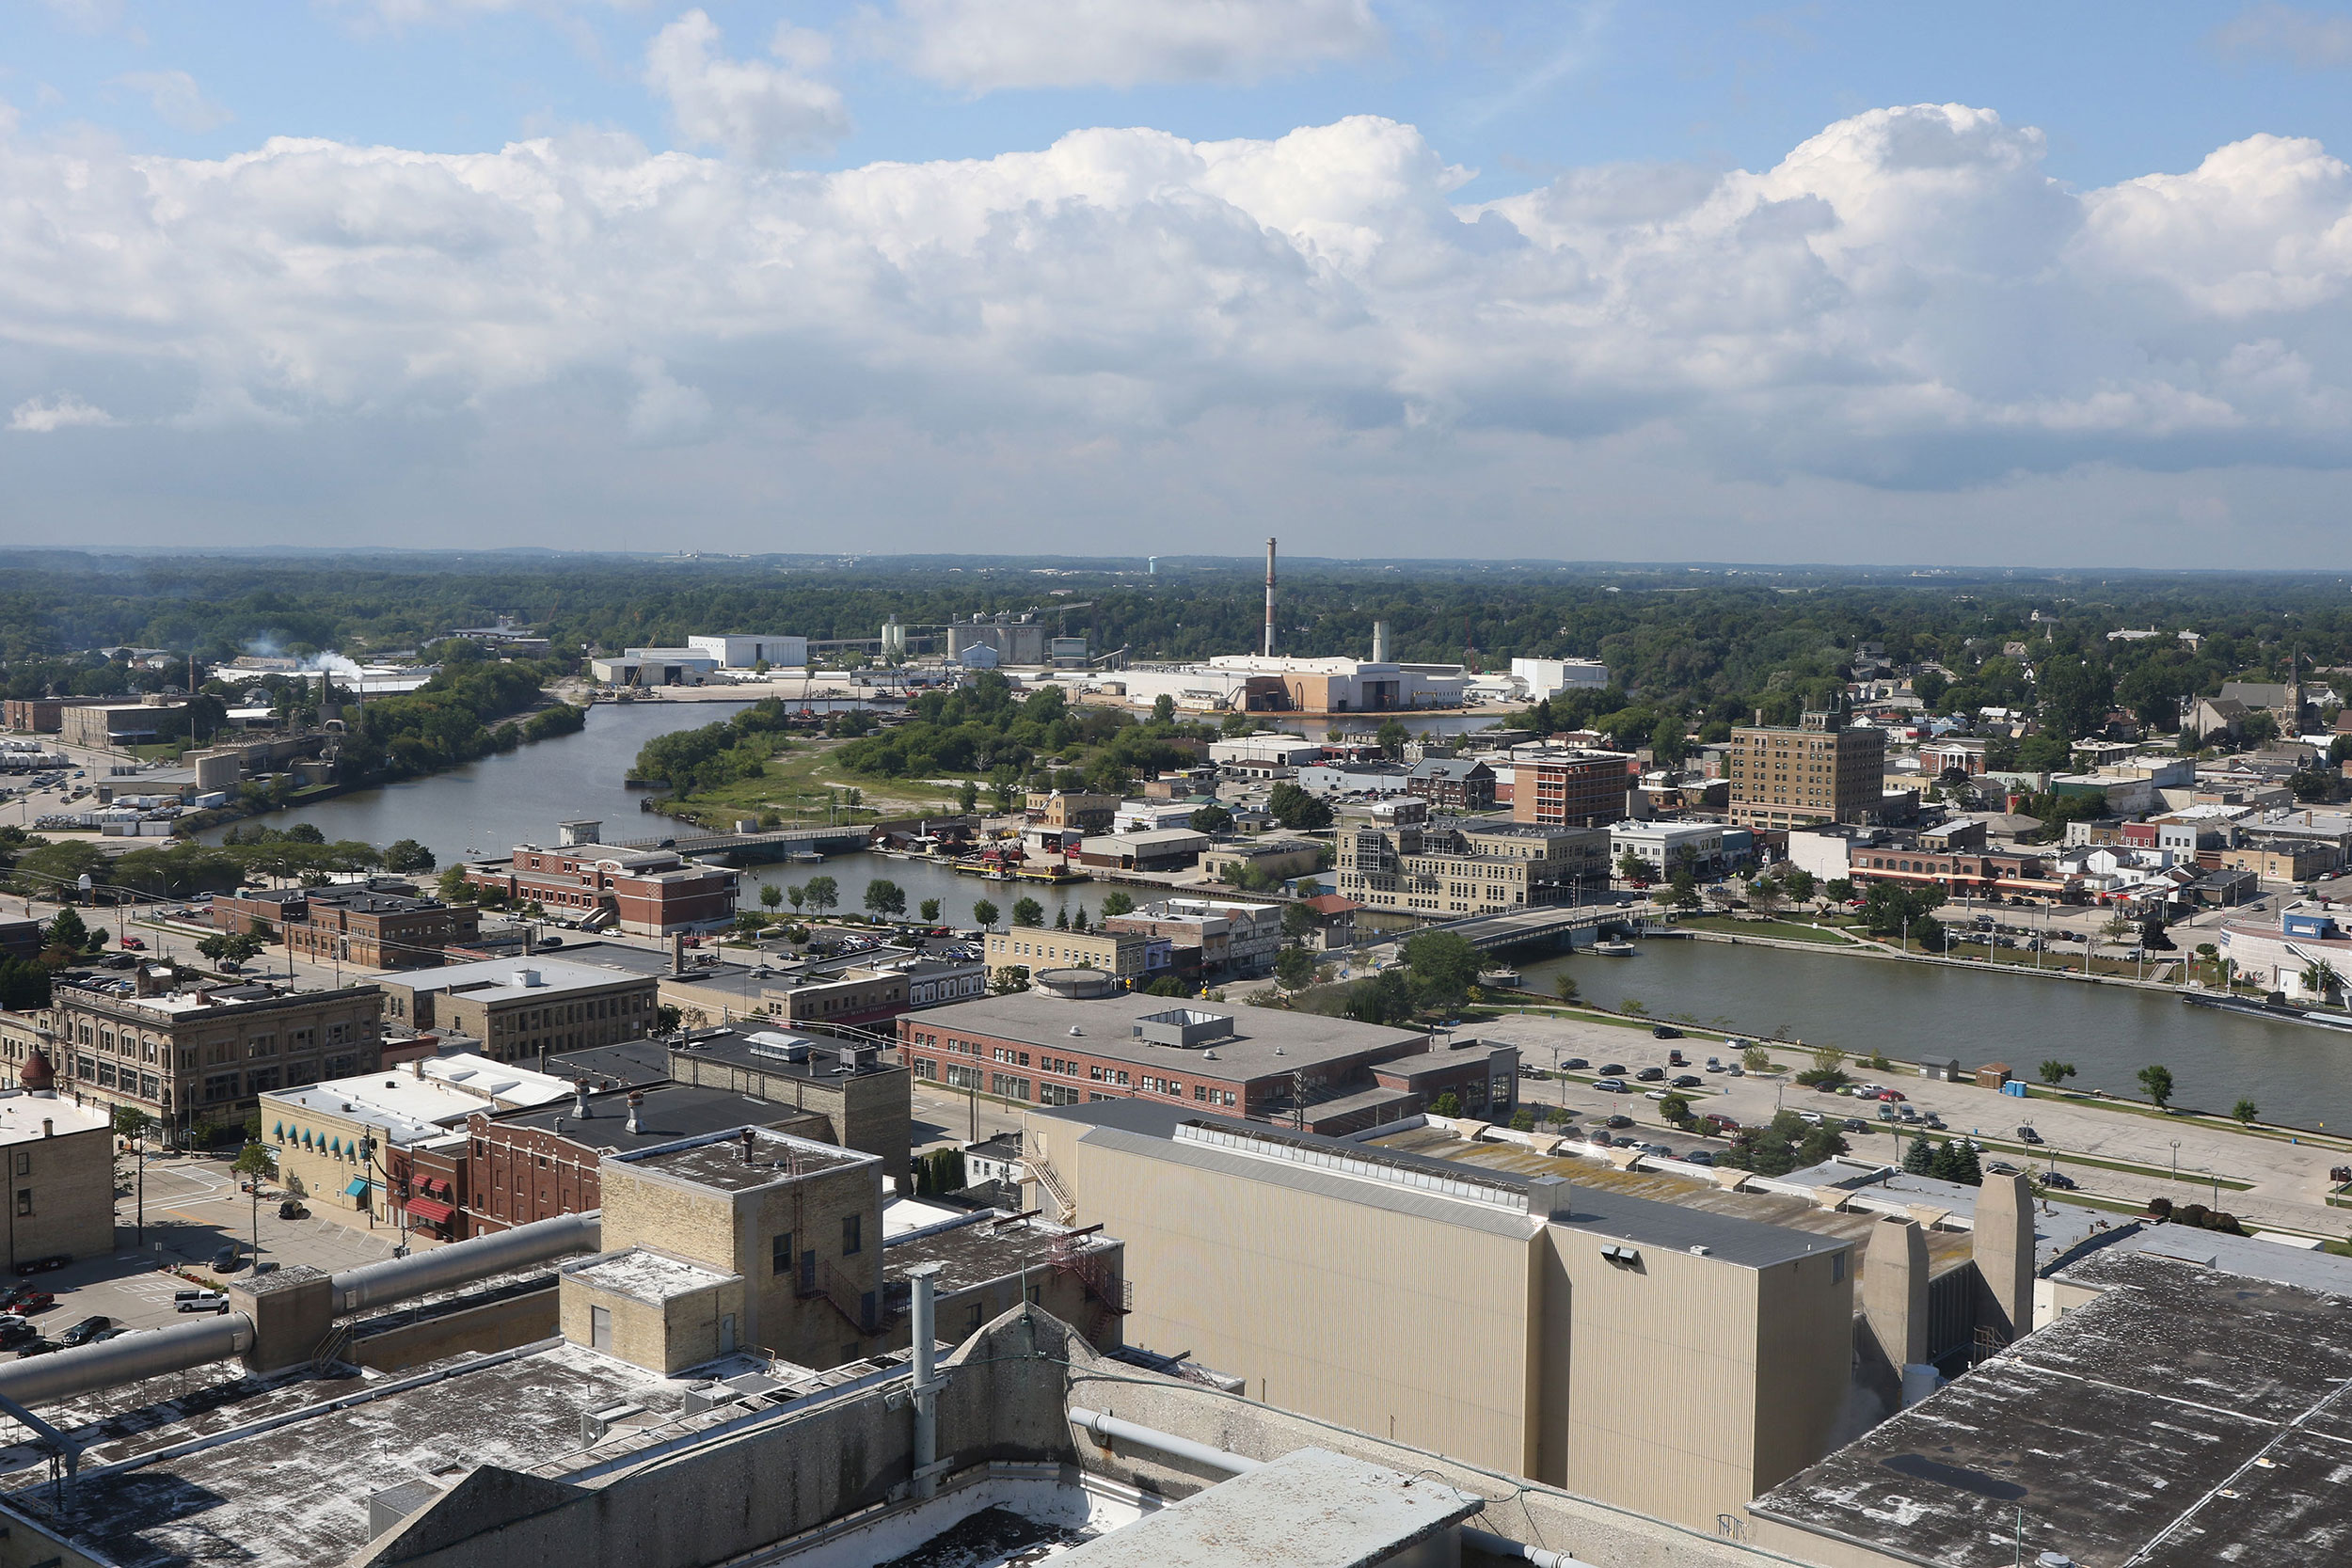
column 523, row 1010
column 1122, row 954
column 863, row 1099
column 62, row 1178
column 1455, row 867
column 1823, row 770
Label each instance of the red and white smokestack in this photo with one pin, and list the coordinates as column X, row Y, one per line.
column 1269, row 598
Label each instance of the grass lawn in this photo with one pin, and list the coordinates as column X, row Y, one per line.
column 1786, row 929
column 802, row 780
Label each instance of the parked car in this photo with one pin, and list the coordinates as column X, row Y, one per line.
column 2000, row 1167
column 38, row 1347
column 1685, row 1081
column 2060, row 1180
column 1931, row 1120
column 1887, row 1113
column 1721, row 1125
column 1664, row 1032
column 1651, row 1074
column 1714, row 1064
column 229, row 1260
column 18, row 1334
column 1854, row 1124
column 1655, row 1094
column 1601, row 1140
column 1611, row 1086
column 1574, row 1064
column 1658, row 1151
column 1893, row 1097
column 35, row 1301
column 291, row 1209
column 114, row 1333
column 135, row 944
column 43, row 1264
column 199, row 1301
column 2026, row 1134
column 1698, row 1157
column 1733, row 1070
column 1675, row 1058
column 1618, row 1122
column 1813, row 1117
column 88, row 1329
column 1614, row 1069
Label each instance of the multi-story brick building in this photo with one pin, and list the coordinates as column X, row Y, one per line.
column 1823, row 770
column 209, row 1050
column 521, row 1012
column 1453, row 783
column 1968, row 873
column 1570, row 788
column 355, row 926
column 1323, row 1074
column 1455, row 867
column 1122, row 954
column 645, row 892
column 1087, row 813
column 535, row 1164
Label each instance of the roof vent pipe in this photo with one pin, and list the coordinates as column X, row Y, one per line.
column 636, row 1105
column 579, row 1098
column 749, row 1140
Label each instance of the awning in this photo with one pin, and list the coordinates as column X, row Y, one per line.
column 358, row 1187
column 429, row 1210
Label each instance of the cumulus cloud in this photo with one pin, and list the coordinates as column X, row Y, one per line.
column 1906, row 301
column 177, row 100
column 756, row 111
column 60, row 411
column 985, row 45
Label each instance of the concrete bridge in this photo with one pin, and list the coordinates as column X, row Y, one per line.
column 1543, row 923
column 782, row 841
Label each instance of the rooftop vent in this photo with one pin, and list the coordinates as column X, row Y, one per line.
column 1183, row 1026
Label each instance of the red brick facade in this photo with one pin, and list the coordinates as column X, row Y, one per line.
column 648, row 892
column 1574, row 791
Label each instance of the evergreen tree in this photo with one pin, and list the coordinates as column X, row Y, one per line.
column 1919, row 1160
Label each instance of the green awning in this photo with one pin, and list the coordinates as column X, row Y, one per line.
column 358, row 1187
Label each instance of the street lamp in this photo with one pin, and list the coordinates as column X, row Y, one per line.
column 2176, row 1159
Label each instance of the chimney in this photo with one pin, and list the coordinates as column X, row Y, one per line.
column 1895, row 1291
column 1380, row 643
column 1269, row 598
column 750, row 1139
column 678, row 952
column 2003, row 1249
column 48, row 1127
column 636, row 1105
column 529, row 932
column 580, row 1100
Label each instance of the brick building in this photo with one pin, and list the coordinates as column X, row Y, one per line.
column 211, row 1051
column 645, row 892
column 1456, row 867
column 1325, row 1075
column 1823, row 770
column 1122, row 954
column 864, row 1099
column 521, row 1012
column 1570, row 788
column 1453, row 783
column 355, row 926
column 1962, row 873
column 61, row 1176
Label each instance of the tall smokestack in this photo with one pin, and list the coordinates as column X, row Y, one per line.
column 1269, row 598
column 1380, row 643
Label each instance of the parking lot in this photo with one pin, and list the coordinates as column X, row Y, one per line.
column 194, row 1207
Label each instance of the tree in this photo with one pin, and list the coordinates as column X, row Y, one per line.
column 132, row 1123
column 1393, row 737
column 1294, row 967
column 1565, row 983
column 1676, row 1109
column 1078, row 918
column 1838, row 890
column 1027, row 911
column 1213, row 820
column 1443, row 966
column 1757, row 1059
column 1296, row 810
column 1632, row 867
column 667, row 1018
column 1446, row 1105
column 1061, row 917
column 883, row 896
column 2245, row 1113
column 2116, row 927
column 984, row 913
column 406, row 854
column 1011, row 977
column 2320, row 979
column 67, row 931
column 823, row 893
column 1163, row 709
column 1684, row 892
column 1764, row 893
column 2158, row 1081
column 770, row 896
column 1299, row 922
column 2056, row 1072
column 1523, row 1120
column 798, row 894
column 256, row 1160
column 1919, row 1160
column 1801, row 884
column 968, row 796
column 1930, row 686
column 23, row 985
column 230, row 947
column 928, row 909
column 1117, row 903
column 454, row 886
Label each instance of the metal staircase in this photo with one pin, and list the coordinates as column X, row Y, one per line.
column 329, row 1354
column 1042, row 1171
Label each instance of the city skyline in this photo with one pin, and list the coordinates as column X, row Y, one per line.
column 1817, row 286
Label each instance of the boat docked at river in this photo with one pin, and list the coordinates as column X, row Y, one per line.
column 1615, row 949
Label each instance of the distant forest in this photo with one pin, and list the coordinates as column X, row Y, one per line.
column 1702, row 644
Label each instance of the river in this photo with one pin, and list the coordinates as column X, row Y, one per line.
column 1926, row 1012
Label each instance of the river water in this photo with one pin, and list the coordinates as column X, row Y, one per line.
column 1926, row 1012
column 1914, row 1011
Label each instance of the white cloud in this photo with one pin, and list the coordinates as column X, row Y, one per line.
column 87, row 16
column 177, row 100
column 1905, row 305
column 60, row 411
column 2300, row 37
column 756, row 111
column 985, row 45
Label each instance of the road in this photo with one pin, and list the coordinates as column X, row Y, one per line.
column 194, row 1207
column 2287, row 1176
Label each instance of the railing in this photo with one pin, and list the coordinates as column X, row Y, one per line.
column 861, row 1306
column 1048, row 1178
column 1094, row 1275
column 330, row 1350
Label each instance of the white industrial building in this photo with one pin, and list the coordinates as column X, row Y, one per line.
column 745, row 653
column 1547, row 677
column 1252, row 683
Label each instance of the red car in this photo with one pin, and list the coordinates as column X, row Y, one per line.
column 35, row 1301
column 1890, row 1094
column 135, row 944
column 1720, row 1124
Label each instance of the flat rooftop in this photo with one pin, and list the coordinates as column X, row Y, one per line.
column 628, row 1064
column 2188, row 1415
column 717, row 1159
column 823, row 1058
column 976, row 1250
column 22, row 1114
column 499, row 979
column 644, row 1274
column 665, row 1112
column 1265, row 1041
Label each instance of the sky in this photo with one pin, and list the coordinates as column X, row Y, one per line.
column 2048, row 285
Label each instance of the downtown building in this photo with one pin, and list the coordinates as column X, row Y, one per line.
column 1821, row 770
